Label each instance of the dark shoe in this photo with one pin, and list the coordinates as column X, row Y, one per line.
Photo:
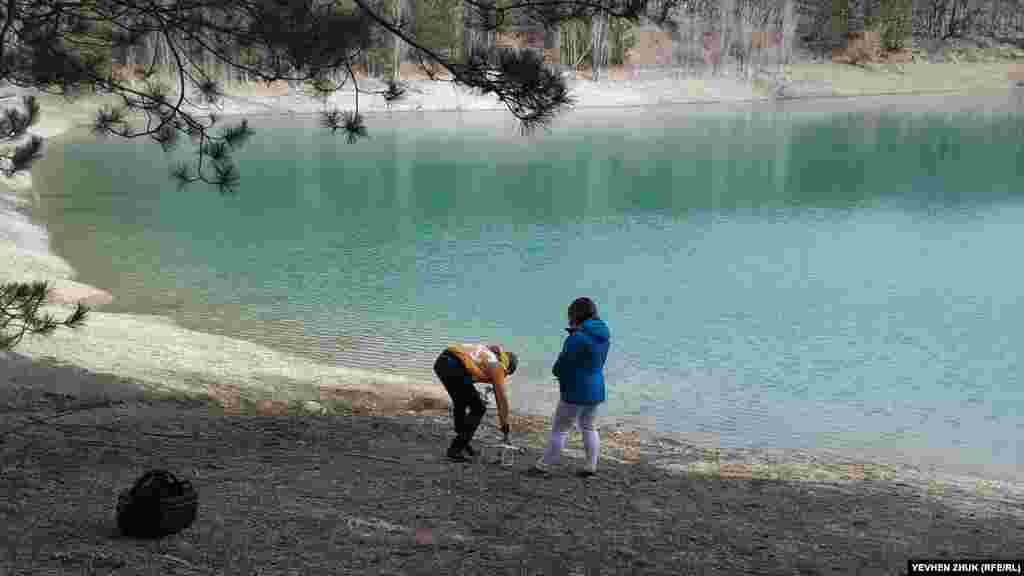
column 585, row 473
column 537, row 472
column 469, row 451
column 456, row 457
column 456, row 448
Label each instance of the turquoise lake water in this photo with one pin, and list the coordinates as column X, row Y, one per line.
column 777, row 276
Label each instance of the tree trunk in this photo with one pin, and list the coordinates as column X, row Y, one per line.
column 840, row 21
column 405, row 13
column 727, row 9
column 553, row 44
column 699, row 27
column 767, row 28
column 754, row 49
column 567, row 43
column 741, row 35
column 855, row 20
column 951, row 23
column 599, row 44
column 692, row 45
column 475, row 42
column 785, row 38
column 396, row 47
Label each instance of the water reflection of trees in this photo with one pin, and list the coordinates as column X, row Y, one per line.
column 761, row 160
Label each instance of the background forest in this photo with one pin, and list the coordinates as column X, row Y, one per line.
column 702, row 36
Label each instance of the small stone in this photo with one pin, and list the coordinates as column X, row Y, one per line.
column 313, row 407
column 424, row 537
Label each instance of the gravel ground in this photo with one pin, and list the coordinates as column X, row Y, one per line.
column 372, row 494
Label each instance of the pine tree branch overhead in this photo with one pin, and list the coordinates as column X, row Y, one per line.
column 179, row 51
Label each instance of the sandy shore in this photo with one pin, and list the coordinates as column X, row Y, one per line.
column 646, row 88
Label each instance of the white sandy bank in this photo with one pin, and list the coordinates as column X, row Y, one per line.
column 24, row 247
column 430, row 96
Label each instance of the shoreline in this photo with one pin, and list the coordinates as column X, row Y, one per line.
column 799, row 83
column 237, row 372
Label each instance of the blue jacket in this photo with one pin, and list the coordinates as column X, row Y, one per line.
column 580, row 366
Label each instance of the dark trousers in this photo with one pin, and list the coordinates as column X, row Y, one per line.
column 464, row 395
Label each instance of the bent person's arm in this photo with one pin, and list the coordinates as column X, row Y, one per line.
column 500, row 397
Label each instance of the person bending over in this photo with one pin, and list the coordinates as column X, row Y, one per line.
column 459, row 367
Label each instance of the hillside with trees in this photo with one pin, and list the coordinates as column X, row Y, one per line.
column 705, row 36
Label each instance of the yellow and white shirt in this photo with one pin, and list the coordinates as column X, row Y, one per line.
column 475, row 356
column 481, row 363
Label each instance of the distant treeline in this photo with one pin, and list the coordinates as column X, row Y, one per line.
column 721, row 34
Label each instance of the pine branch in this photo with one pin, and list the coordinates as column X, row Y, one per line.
column 19, row 313
column 395, row 92
column 14, row 125
column 64, row 48
column 236, row 136
column 22, row 157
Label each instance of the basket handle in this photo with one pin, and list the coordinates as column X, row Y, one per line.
column 154, row 475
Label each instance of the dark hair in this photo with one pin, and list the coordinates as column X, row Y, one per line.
column 513, row 362
column 582, row 309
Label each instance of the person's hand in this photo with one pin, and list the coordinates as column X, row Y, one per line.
column 505, row 430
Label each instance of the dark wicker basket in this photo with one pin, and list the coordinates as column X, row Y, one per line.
column 159, row 504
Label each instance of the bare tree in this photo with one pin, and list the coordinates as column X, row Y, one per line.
column 962, row 18
column 553, row 42
column 727, row 30
column 789, row 24
column 598, row 45
column 480, row 21
column 396, row 47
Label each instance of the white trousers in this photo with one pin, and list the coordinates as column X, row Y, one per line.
column 565, row 416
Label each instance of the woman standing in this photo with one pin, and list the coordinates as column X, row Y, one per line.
column 580, row 373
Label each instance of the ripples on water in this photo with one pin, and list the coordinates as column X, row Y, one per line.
column 783, row 277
